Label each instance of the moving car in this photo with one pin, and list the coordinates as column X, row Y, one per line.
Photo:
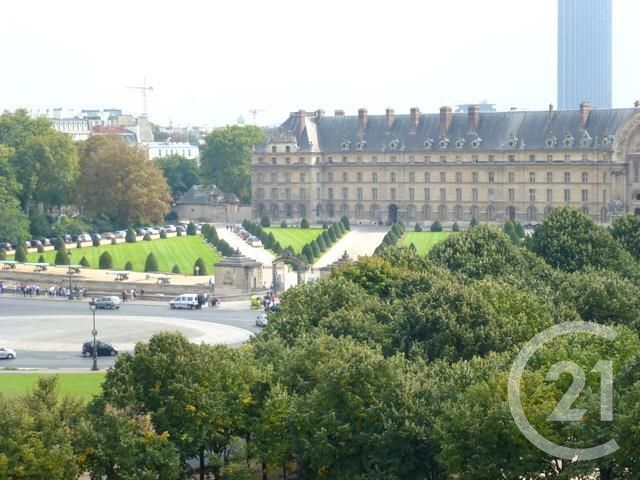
column 6, row 352
column 186, row 300
column 262, row 320
column 109, row 302
column 102, row 349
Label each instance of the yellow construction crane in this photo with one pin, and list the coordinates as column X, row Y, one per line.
column 254, row 113
column 144, row 89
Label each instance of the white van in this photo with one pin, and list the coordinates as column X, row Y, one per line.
column 186, row 300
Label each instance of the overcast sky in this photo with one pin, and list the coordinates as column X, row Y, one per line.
column 212, row 61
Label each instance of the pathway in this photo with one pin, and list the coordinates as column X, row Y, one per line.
column 360, row 241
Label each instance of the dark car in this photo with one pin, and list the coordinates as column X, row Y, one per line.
column 36, row 243
column 46, row 242
column 103, row 349
column 6, row 245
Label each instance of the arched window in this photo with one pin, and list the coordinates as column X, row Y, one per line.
column 411, row 212
column 393, row 176
column 531, row 214
column 359, row 211
column 443, row 212
column 302, row 210
column 289, row 210
column 426, row 212
column 344, row 210
column 318, row 210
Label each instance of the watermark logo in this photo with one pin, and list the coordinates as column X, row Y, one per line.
column 563, row 412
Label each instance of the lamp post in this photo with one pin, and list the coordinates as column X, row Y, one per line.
column 69, row 272
column 197, row 270
column 94, row 332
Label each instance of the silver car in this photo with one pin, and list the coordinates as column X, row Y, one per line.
column 108, row 302
column 6, row 352
column 262, row 320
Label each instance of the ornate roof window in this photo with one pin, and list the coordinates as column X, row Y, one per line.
column 607, row 140
column 476, row 141
column 345, row 144
column 513, row 140
column 551, row 140
column 460, row 143
column 586, row 140
column 444, row 142
column 361, row 143
column 394, row 143
column 568, row 139
column 428, row 143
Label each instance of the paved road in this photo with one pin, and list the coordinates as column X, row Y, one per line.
column 48, row 333
column 360, row 241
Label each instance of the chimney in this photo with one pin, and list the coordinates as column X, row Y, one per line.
column 319, row 113
column 550, row 111
column 473, row 118
column 362, row 119
column 391, row 117
column 636, row 104
column 445, row 120
column 585, row 109
column 300, row 123
column 414, row 119
column 339, row 113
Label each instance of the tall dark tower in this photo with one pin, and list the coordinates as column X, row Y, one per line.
column 584, row 53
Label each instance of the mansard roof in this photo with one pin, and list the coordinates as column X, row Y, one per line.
column 512, row 130
column 206, row 195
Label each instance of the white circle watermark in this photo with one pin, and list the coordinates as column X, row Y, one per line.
column 563, row 411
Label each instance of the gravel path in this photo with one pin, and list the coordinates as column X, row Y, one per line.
column 358, row 242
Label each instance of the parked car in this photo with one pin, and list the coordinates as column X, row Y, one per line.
column 46, row 242
column 96, row 236
column 186, row 300
column 120, row 234
column 8, row 353
column 170, row 228
column 262, row 320
column 102, row 349
column 152, row 231
column 84, row 237
column 181, row 229
column 27, row 244
column 141, row 231
column 254, row 241
column 36, row 243
column 109, row 302
column 67, row 238
column 6, row 245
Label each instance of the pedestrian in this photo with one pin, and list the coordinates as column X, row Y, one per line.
column 141, row 292
column 124, row 296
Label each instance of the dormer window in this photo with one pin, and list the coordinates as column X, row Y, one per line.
column 361, row 143
column 428, row 143
column 512, row 141
column 345, row 144
column 568, row 140
column 287, row 149
column 274, row 149
column 607, row 140
column 460, row 143
column 586, row 140
column 444, row 142
column 475, row 143
column 551, row 140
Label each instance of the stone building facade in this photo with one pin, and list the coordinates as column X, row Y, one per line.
column 449, row 166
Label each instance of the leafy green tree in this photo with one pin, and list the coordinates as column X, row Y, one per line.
column 3, row 254
column 41, row 259
column 200, row 268
column 180, row 173
column 84, row 262
column 163, row 234
column 14, row 225
column 130, row 236
column 128, row 266
column 120, row 182
column 105, row 261
column 62, row 257
column 304, row 223
column 191, row 229
column 95, row 242
column 283, row 224
column 345, row 223
column 20, row 254
column 146, row 237
column 417, row 228
column 455, row 227
column 175, row 269
column 436, row 226
column 473, row 222
column 307, row 251
column 626, row 230
column 265, row 221
column 151, row 263
column 225, row 158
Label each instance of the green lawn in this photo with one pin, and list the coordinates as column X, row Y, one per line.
column 423, row 241
column 296, row 237
column 82, row 385
column 182, row 251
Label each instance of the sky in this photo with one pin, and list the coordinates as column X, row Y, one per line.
column 211, row 62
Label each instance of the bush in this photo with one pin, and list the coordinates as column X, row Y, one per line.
column 95, row 242
column 172, row 216
column 147, row 237
column 163, row 234
column 114, row 241
column 473, row 223
column 436, row 226
column 42, row 260
column 105, row 261
column 62, row 258
column 59, row 243
column 417, row 228
column 175, row 269
column 41, row 249
column 128, row 265
column 322, row 246
column 200, row 268
column 519, row 230
column 327, row 239
column 315, row 248
column 283, row 224
column 304, row 223
column 345, row 223
column 455, row 227
column 332, row 234
column 191, row 229
column 3, row 254
column 131, row 236
column 265, row 221
column 178, row 233
column 325, row 225
column 84, row 262
column 151, row 263
column 21, row 254
column 307, row 252
column 78, row 244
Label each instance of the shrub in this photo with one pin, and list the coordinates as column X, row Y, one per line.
column 396, row 229
column 283, row 224
column 265, row 221
column 3, row 254
column 473, row 223
column 307, row 251
column 84, row 262
column 417, row 228
column 105, row 261
column 200, row 268
column 42, row 260
column 455, row 227
column 178, row 233
column 114, row 241
column 304, row 223
column 59, row 243
column 332, row 234
column 519, row 230
column 270, row 240
column 95, row 242
column 147, row 237
column 326, row 238
column 78, row 244
column 62, row 258
column 321, row 244
column 325, row 225
column 315, row 248
column 40, row 248
column 191, row 229
column 21, row 254
column 128, row 265
column 345, row 223
column 131, row 236
column 175, row 269
column 436, row 226
column 277, row 248
column 151, row 263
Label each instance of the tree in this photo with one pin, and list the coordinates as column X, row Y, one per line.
column 304, row 223
column 327, row 239
column 130, row 236
column 200, row 268
column 175, row 269
column 345, row 223
column 225, row 158
column 62, row 257
column 332, row 234
column 283, row 224
column 128, row 266
column 473, row 222
column 180, row 173
column 265, row 221
column 59, row 243
column 20, row 254
column 307, row 251
column 315, row 248
column 163, row 234
column 105, row 261
column 146, row 237
column 417, row 228
column 455, row 227
column 191, row 229
column 626, row 230
column 84, row 262
column 95, row 241
column 151, row 263
column 436, row 227
column 120, row 182
column 14, row 224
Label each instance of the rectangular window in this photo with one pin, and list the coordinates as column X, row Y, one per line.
column 550, row 158
column 474, row 195
column 427, row 177
column 567, row 195
column 359, row 193
column 549, row 177
column 567, row 177
column 585, row 177
column 287, row 178
column 260, row 193
column 412, row 177
column 567, row 157
column 287, row 193
column 458, row 177
column 512, row 158
column 393, row 194
column 302, row 178
column 374, row 193
column 443, row 177
column 345, row 193
column 427, row 158
column 532, row 194
column 549, row 195
column 374, row 177
column 359, row 177
column 585, row 157
column 474, row 177
column 330, row 177
column 443, row 158
column 345, row 177
column 492, row 158
column 443, row 194
column 492, row 194
column 512, row 195
column 532, row 177
column 475, row 158
column 412, row 194
column 330, row 193
column 458, row 158
column 532, row 158
column 458, row 194
column 512, row 177
column 427, row 194
column 585, row 195
column 302, row 194
column 274, row 194
column 492, row 177
column 274, row 178
column 318, row 177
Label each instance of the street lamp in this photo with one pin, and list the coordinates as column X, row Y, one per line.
column 94, row 332
column 69, row 272
column 197, row 270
